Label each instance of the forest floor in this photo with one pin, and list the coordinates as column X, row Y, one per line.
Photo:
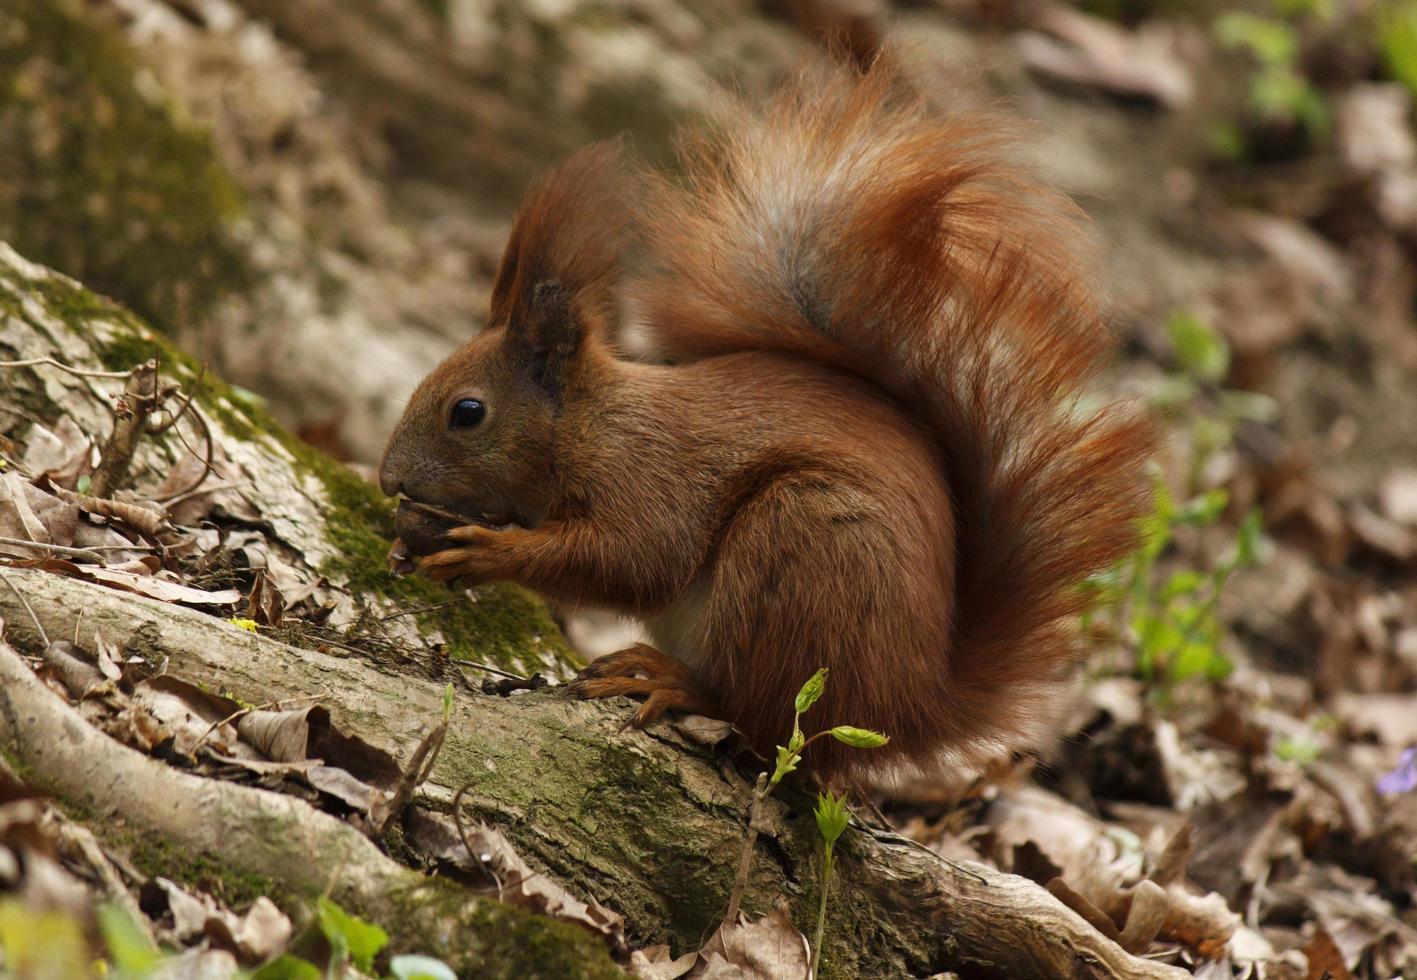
column 1235, row 793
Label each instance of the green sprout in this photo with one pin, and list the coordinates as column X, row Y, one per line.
column 832, row 818
column 832, row 815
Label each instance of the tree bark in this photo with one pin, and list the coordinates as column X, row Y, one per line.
column 647, row 823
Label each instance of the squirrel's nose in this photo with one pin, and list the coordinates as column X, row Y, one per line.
column 390, row 480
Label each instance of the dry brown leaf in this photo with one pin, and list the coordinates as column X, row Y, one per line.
column 1387, row 538
column 1149, row 911
column 1373, row 132
column 1390, row 718
column 29, row 870
column 518, row 883
column 137, row 577
column 160, row 587
column 1195, row 776
column 190, row 716
column 656, row 963
column 1087, row 50
column 1080, row 904
column 309, row 733
column 265, row 604
column 28, row 513
column 1202, row 922
column 700, row 730
column 769, row 948
column 61, row 455
column 1325, row 960
column 261, row 933
column 147, row 519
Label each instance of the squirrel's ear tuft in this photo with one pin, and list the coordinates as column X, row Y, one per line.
column 547, row 330
column 573, row 229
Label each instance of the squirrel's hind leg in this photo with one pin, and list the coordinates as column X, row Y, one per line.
column 643, row 671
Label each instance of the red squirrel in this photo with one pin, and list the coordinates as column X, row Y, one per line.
column 858, row 439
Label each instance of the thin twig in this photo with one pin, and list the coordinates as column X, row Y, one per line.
column 206, row 460
column 199, row 491
column 462, row 833
column 94, row 552
column 89, row 553
column 490, row 669
column 28, row 608
column 745, row 856
column 141, row 396
column 182, row 409
column 80, row 372
column 419, row 609
column 420, row 766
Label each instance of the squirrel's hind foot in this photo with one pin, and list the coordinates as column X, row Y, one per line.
column 643, row 671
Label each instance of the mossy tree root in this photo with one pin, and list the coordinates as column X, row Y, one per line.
column 279, row 839
column 647, row 823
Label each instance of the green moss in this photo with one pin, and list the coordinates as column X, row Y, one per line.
column 153, row 856
column 499, row 623
column 506, row 941
column 498, row 939
column 496, row 623
column 101, row 181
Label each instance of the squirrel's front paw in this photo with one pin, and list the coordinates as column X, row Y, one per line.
column 477, row 558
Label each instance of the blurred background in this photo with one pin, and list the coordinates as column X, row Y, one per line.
column 312, row 195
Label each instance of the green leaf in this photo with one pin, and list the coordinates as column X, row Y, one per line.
column 288, row 967
column 811, row 691
column 1294, row 750
column 832, row 816
column 131, row 950
column 1271, row 42
column 1322, row 9
column 1249, row 538
column 1204, row 510
column 41, row 944
column 1199, row 347
column 447, row 703
column 413, row 966
column 787, row 761
column 1397, row 37
column 860, row 738
column 82, row 484
column 350, row 935
column 1184, row 582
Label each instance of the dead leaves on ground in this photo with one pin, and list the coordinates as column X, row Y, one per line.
column 768, row 948
column 1244, row 833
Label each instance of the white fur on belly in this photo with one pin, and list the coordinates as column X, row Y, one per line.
column 679, row 630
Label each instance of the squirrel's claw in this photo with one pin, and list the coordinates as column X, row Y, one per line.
column 643, row 671
column 473, row 559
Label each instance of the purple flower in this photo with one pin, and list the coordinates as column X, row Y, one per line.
column 1403, row 779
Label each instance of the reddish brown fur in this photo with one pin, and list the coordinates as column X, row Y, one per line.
column 866, row 454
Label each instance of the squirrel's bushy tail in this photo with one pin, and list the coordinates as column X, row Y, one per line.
column 850, row 225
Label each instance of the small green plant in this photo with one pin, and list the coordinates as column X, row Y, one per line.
column 1279, row 91
column 46, row 945
column 1171, row 619
column 788, row 758
column 832, row 818
column 351, row 939
column 1397, row 39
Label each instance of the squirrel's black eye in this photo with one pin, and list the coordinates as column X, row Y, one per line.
column 467, row 413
